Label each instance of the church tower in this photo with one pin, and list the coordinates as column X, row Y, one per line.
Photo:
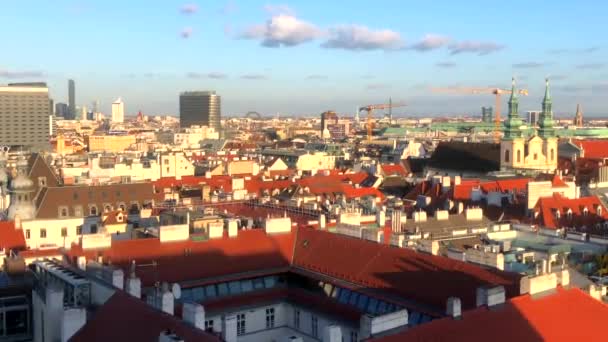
column 546, row 130
column 21, row 190
column 512, row 144
column 578, row 117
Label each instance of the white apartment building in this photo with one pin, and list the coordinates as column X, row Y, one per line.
column 118, row 111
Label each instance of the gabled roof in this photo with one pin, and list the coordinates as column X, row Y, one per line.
column 568, row 315
column 126, row 318
column 548, row 206
column 419, row 277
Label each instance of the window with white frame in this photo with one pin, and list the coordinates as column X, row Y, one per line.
column 314, row 326
column 354, row 336
column 241, row 324
column 296, row 319
column 269, row 318
column 209, row 325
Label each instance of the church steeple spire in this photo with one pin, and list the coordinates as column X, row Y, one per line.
column 513, row 122
column 545, row 123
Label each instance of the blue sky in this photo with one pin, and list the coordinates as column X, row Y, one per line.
column 304, row 57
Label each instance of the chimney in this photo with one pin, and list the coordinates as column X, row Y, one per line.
column 133, row 285
column 544, row 265
column 381, row 217
column 441, row 215
column 118, row 278
column 473, row 214
column 457, row 180
column 233, row 227
column 454, row 307
column 167, row 300
column 194, row 314
column 420, row 216
column 322, row 221
column 169, row 336
column 446, row 184
column 229, row 329
column 332, row 333
column 490, row 296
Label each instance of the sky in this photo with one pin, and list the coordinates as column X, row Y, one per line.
column 306, row 57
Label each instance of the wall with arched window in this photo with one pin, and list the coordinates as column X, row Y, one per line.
column 507, row 155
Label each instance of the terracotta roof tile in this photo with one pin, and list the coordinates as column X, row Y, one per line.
column 126, row 318
column 11, row 237
column 568, row 315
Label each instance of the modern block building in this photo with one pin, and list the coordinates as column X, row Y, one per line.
column 24, row 113
column 71, row 100
column 62, row 110
column 200, row 108
column 118, row 111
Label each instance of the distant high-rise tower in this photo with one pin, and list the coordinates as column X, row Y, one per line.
column 202, row 108
column 486, row 114
column 62, row 110
column 578, row 117
column 71, row 100
column 118, row 111
column 533, row 117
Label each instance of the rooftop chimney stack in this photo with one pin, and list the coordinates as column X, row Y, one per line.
column 381, row 217
column 454, row 307
column 194, row 314
column 133, row 284
column 332, row 333
column 229, row 333
column 167, row 300
column 490, row 296
column 322, row 221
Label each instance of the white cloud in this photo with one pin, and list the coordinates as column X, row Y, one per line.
column 21, row 74
column 282, row 30
column 430, row 42
column 254, row 77
column 528, row 65
column 186, row 32
column 212, row 75
column 477, row 47
column 279, row 9
column 357, row 37
column 445, row 64
column 189, row 9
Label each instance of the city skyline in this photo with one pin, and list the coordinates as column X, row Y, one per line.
column 312, row 56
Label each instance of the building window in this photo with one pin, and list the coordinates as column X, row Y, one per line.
column 107, row 208
column 296, row 319
column 354, row 336
column 535, row 156
column 27, row 233
column 519, row 156
column 166, row 161
column 63, row 211
column 79, row 230
column 121, row 207
column 269, row 318
column 64, row 232
column 78, row 211
column 506, row 156
column 41, row 181
column 167, row 169
column 314, row 326
column 75, row 196
column 209, row 325
column 43, row 233
column 93, row 210
column 240, row 324
column 93, row 229
column 552, row 154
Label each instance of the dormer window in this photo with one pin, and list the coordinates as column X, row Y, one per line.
column 598, row 210
column 557, row 214
column 585, row 211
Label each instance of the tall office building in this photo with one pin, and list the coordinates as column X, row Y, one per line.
column 201, row 108
column 71, row 100
column 62, row 110
column 24, row 114
column 118, row 111
column 533, row 116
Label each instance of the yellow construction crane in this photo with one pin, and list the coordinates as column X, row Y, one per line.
column 497, row 92
column 370, row 114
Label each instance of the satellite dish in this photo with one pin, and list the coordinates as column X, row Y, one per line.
column 176, row 290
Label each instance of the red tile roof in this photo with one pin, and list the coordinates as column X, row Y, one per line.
column 548, row 206
column 11, row 237
column 393, row 169
column 126, row 318
column 420, row 277
column 593, row 149
column 568, row 315
column 252, row 251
